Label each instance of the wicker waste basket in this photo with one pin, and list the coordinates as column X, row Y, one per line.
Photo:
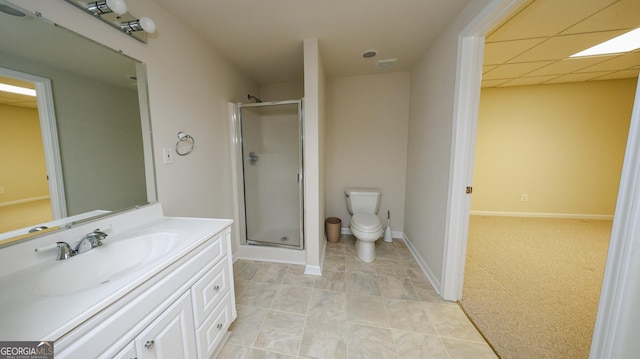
column 332, row 227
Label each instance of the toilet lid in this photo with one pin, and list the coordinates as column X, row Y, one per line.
column 366, row 222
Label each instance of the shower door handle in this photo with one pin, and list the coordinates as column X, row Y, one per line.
column 253, row 158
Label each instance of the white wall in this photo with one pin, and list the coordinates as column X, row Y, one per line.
column 189, row 87
column 367, row 129
column 314, row 148
column 281, row 91
column 430, row 141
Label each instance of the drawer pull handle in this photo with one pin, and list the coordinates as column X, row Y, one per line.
column 219, row 326
column 149, row 344
column 216, row 287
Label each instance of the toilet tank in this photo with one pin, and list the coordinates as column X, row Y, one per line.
column 362, row 200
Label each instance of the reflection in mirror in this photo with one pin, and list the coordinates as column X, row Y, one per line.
column 81, row 147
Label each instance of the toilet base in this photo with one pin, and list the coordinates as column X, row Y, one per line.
column 366, row 250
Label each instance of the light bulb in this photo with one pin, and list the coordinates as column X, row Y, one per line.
column 117, row 6
column 147, row 24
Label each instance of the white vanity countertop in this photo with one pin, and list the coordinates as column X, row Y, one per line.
column 45, row 300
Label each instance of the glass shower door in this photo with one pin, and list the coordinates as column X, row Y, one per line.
column 272, row 172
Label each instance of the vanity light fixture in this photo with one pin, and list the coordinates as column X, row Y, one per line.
column 115, row 14
column 142, row 24
column 105, row 7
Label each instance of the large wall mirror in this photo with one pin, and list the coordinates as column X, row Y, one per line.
column 81, row 146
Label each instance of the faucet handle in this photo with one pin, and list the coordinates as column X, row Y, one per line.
column 97, row 236
column 64, row 251
column 90, row 241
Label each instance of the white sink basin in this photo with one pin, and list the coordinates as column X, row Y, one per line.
column 44, row 299
column 114, row 260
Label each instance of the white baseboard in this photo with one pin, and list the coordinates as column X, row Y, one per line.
column 435, row 282
column 542, row 215
column 313, row 270
column 24, row 200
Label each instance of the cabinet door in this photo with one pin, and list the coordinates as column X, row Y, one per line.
column 171, row 335
column 129, row 352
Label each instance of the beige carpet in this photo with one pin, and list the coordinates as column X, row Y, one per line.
column 532, row 285
column 24, row 215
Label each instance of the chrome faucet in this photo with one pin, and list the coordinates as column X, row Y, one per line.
column 87, row 243
column 90, row 241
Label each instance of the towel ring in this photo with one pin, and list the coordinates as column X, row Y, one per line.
column 185, row 144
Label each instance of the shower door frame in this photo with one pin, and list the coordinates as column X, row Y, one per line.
column 239, row 154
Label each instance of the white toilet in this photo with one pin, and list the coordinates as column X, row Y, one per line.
column 363, row 204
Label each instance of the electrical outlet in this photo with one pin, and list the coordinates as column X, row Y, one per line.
column 167, row 156
column 524, row 197
column 1, row 189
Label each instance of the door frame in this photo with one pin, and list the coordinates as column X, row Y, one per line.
column 617, row 294
column 49, row 131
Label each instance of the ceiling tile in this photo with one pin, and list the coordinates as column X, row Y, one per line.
column 493, row 83
column 577, row 77
column 555, row 15
column 621, row 15
column 500, row 52
column 528, row 81
column 567, row 26
column 625, row 74
column 622, row 62
column 511, row 71
column 16, row 82
column 561, row 47
column 487, row 68
column 566, row 66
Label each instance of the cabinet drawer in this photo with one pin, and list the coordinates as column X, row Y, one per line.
column 209, row 290
column 214, row 328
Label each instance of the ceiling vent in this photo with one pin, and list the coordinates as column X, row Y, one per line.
column 385, row 64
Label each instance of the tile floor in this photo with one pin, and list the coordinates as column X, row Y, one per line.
column 384, row 309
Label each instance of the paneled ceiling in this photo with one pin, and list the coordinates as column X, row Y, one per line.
column 533, row 46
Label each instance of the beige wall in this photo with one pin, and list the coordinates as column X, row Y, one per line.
column 431, row 120
column 314, row 155
column 562, row 145
column 281, row 91
column 367, row 129
column 22, row 167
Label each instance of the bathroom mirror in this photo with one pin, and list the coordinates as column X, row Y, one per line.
column 98, row 100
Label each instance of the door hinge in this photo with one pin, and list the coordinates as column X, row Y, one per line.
column 469, row 190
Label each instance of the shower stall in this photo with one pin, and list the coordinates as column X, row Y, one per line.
column 268, row 151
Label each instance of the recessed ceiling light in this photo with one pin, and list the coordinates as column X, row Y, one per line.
column 624, row 43
column 369, row 54
column 17, row 90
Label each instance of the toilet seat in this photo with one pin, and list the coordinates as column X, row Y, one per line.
column 366, row 223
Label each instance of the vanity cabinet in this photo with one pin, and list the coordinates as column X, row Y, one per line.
column 182, row 312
